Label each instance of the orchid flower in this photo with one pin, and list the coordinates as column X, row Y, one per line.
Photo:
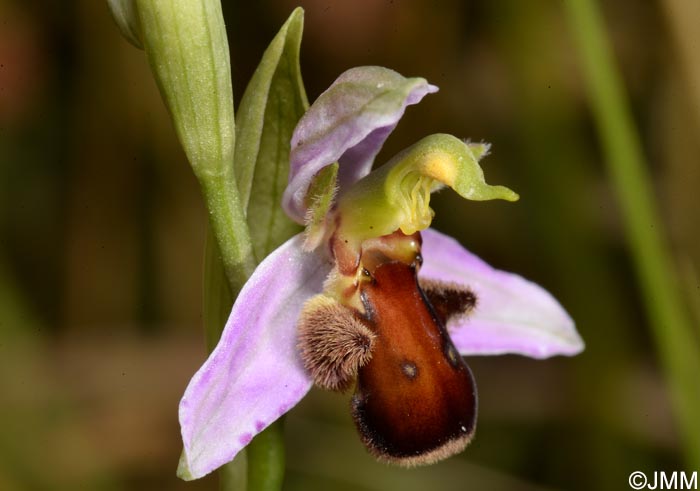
column 368, row 297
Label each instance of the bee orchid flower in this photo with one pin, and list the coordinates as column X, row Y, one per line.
column 369, row 298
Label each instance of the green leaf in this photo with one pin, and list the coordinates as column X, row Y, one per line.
column 124, row 14
column 270, row 109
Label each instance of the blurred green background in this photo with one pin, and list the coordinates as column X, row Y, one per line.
column 102, row 231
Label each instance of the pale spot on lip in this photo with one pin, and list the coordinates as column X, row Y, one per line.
column 452, row 356
column 409, row 369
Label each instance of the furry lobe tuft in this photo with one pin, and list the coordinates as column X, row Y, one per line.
column 449, row 300
column 333, row 343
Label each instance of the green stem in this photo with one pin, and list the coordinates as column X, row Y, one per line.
column 217, row 297
column 229, row 227
column 260, row 466
column 187, row 49
column 677, row 346
column 217, row 302
column 234, row 475
column 266, row 459
column 188, row 52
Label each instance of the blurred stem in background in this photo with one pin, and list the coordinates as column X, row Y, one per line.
column 682, row 17
column 554, row 157
column 677, row 345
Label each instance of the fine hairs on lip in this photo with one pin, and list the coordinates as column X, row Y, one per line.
column 333, row 343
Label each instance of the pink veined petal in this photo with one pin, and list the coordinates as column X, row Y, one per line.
column 254, row 374
column 513, row 315
column 348, row 124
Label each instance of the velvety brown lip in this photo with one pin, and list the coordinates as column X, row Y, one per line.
column 415, row 401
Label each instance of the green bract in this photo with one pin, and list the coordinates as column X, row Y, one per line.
column 124, row 14
column 188, row 51
column 186, row 45
column 271, row 106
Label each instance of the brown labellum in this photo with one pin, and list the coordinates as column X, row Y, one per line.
column 415, row 401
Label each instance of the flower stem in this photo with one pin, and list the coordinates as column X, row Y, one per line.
column 234, row 475
column 260, row 466
column 677, row 346
column 217, row 302
column 266, row 459
column 229, row 227
column 187, row 49
column 217, row 298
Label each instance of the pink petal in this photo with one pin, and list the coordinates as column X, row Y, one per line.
column 348, row 124
column 513, row 315
column 254, row 374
